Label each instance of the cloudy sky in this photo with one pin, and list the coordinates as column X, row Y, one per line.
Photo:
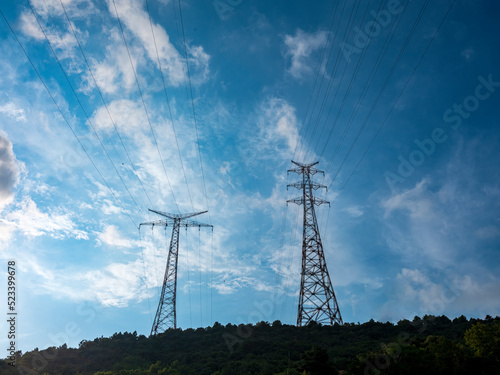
column 108, row 108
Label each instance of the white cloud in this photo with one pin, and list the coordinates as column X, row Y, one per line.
column 13, row 111
column 468, row 54
column 452, row 295
column 415, row 289
column 62, row 40
column 32, row 222
column 30, row 26
column 127, row 115
column 488, row 232
column 102, row 190
column 108, row 75
column 113, row 72
column 136, row 20
column 108, row 208
column 354, row 211
column 75, row 8
column 118, row 284
column 7, row 230
column 229, row 285
column 85, row 206
column 132, row 123
column 37, row 187
column 300, row 49
column 413, row 200
column 423, row 236
column 111, row 236
column 277, row 134
column 199, row 63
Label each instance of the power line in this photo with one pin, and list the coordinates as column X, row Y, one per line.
column 199, row 269
column 196, row 129
column 166, row 313
column 65, row 119
column 211, row 274
column 334, row 69
column 179, row 40
column 194, row 112
column 189, row 280
column 168, row 104
column 103, row 101
column 81, row 105
column 154, row 258
column 317, row 73
column 291, row 258
column 144, row 104
column 305, row 126
column 368, row 82
column 347, row 92
column 326, row 96
column 397, row 99
column 145, row 275
column 281, row 251
column 384, row 85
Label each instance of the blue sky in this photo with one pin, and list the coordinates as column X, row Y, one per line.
column 397, row 100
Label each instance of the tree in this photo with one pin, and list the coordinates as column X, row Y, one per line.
column 484, row 339
column 315, row 362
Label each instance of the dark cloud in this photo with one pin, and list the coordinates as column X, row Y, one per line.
column 8, row 171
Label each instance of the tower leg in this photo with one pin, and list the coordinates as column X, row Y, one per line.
column 166, row 312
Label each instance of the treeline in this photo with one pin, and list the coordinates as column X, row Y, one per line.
column 428, row 345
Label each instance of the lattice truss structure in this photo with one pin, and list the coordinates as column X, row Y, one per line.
column 166, row 315
column 317, row 301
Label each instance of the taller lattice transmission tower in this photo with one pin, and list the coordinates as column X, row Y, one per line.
column 317, row 300
column 166, row 317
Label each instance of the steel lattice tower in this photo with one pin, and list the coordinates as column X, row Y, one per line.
column 317, row 300
column 166, row 317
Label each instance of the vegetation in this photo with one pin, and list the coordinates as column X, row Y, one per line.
column 428, row 345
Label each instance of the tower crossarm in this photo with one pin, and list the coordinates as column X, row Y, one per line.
column 193, row 223
column 162, row 223
column 318, row 201
column 301, row 185
column 305, row 168
column 298, row 201
column 302, row 165
column 315, row 200
column 177, row 216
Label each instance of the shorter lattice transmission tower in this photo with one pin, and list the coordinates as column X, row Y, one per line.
column 317, row 301
column 166, row 317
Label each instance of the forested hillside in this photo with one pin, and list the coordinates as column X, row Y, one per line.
column 428, row 345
